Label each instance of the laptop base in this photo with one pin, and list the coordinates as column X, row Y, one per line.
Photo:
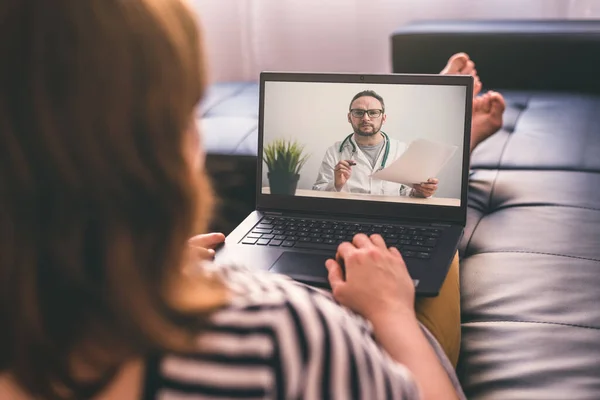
column 308, row 266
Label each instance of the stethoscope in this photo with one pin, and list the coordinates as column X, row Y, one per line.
column 385, row 153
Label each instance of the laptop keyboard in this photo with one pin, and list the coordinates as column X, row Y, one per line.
column 316, row 234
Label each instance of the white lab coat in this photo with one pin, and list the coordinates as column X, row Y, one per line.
column 360, row 180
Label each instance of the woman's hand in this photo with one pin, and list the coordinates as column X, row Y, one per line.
column 379, row 288
column 204, row 245
column 376, row 279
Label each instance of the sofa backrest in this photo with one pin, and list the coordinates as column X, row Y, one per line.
column 554, row 55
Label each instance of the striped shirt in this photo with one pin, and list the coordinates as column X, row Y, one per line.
column 279, row 339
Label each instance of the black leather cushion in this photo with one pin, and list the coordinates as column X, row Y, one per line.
column 523, row 55
column 530, row 269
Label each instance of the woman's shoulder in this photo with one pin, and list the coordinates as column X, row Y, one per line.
column 279, row 335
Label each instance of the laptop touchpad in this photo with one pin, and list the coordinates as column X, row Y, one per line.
column 305, row 267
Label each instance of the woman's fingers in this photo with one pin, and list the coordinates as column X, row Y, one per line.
column 207, row 240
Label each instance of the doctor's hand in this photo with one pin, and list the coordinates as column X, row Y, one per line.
column 342, row 172
column 426, row 189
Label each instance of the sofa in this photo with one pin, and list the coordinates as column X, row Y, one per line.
column 530, row 257
column 228, row 118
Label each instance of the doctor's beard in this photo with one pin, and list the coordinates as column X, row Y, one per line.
column 375, row 130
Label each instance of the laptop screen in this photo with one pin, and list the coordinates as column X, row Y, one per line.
column 380, row 142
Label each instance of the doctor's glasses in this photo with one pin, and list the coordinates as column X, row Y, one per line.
column 358, row 113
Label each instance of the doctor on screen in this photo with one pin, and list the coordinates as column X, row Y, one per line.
column 348, row 164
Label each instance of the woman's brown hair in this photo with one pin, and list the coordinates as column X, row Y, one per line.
column 97, row 199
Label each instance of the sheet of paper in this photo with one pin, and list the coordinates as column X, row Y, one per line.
column 423, row 159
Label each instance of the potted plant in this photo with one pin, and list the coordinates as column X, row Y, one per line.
column 284, row 159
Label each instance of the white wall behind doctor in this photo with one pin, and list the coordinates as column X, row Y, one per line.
column 315, row 114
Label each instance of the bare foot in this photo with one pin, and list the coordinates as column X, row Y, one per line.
column 461, row 64
column 488, row 110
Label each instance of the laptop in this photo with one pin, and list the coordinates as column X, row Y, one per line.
column 298, row 223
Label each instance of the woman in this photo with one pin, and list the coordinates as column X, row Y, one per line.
column 101, row 185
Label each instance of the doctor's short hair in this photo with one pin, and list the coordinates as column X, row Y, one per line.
column 369, row 93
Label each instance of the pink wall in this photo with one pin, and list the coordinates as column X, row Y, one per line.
column 247, row 36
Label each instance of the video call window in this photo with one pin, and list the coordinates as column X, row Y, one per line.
column 364, row 141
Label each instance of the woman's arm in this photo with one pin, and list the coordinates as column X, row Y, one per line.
column 400, row 334
column 378, row 287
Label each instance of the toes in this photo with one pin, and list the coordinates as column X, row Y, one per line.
column 455, row 63
column 461, row 58
column 497, row 107
column 498, row 100
column 483, row 103
column 468, row 68
column 486, row 107
column 477, row 102
column 476, row 86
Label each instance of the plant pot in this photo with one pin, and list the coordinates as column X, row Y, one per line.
column 283, row 183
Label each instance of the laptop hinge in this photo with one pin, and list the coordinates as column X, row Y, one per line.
column 272, row 213
column 440, row 224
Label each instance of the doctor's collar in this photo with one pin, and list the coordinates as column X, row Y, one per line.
column 351, row 143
